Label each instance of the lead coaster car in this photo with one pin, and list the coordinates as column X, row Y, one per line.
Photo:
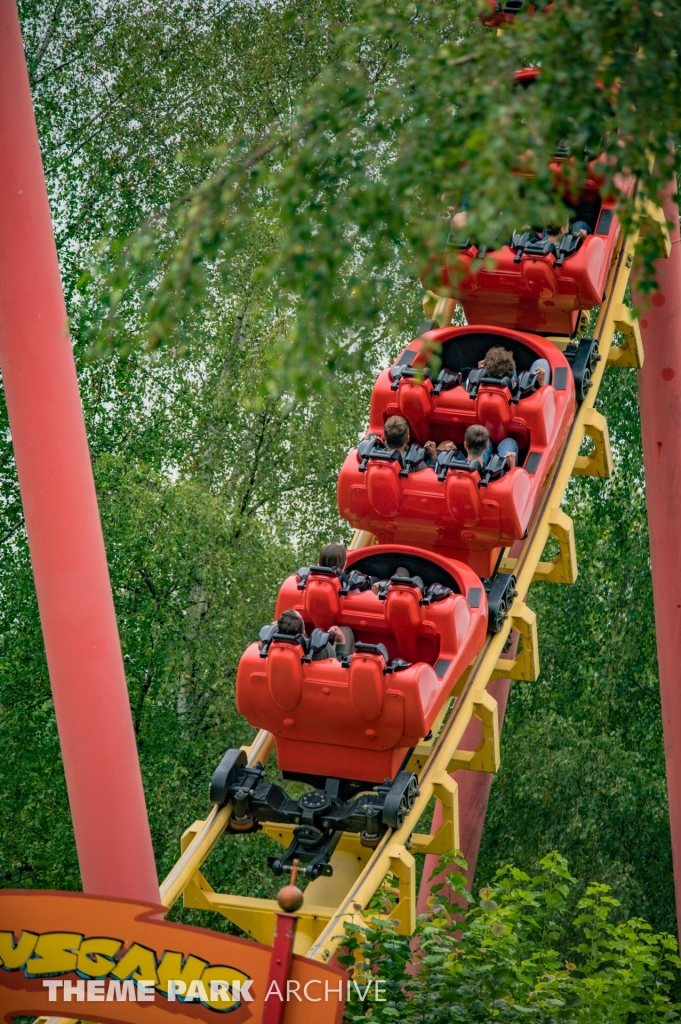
column 455, row 508
column 357, row 718
column 531, row 283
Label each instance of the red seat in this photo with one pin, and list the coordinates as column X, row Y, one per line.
column 493, row 410
column 357, row 722
column 404, row 615
column 322, row 604
column 285, row 675
column 535, row 292
column 454, row 515
column 383, row 488
column 367, row 686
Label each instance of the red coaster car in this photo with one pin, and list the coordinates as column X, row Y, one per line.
column 357, row 717
column 455, row 509
column 536, row 285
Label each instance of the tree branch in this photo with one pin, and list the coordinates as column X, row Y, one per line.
column 51, row 29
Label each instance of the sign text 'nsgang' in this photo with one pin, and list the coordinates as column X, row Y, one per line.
column 104, row 959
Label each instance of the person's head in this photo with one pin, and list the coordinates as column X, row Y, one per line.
column 555, row 232
column 290, row 623
column 499, row 362
column 333, row 556
column 396, row 432
column 475, row 440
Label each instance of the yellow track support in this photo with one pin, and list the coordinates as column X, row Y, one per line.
column 562, row 568
column 630, row 354
column 599, row 461
column 358, row 872
column 486, row 758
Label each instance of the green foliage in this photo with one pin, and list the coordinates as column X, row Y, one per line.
column 212, row 487
column 526, row 950
column 582, row 761
column 417, row 102
column 208, row 499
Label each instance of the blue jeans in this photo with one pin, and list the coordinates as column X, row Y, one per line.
column 542, row 364
column 508, row 447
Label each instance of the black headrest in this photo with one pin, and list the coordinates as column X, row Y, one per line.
column 496, row 467
column 455, row 460
column 374, row 448
column 436, row 592
column 400, row 581
column 418, row 372
column 414, row 459
column 270, row 633
column 569, row 244
column 355, row 580
column 318, row 640
column 267, row 632
column 527, row 384
column 529, row 242
column 496, row 382
column 302, row 575
column 408, row 581
column 477, row 379
column 315, row 570
column 381, row 649
column 446, row 380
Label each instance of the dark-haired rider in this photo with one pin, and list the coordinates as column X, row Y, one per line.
column 291, row 623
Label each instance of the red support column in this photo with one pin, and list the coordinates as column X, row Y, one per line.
column 474, row 791
column 280, row 969
column 62, row 519
column 660, row 401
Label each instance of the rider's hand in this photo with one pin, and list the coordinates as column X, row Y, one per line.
column 431, row 449
column 336, row 635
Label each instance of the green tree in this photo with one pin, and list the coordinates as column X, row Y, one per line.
column 207, row 499
column 582, row 757
column 527, row 949
column 418, row 102
column 212, row 484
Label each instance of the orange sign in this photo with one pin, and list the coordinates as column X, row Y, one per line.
column 118, row 962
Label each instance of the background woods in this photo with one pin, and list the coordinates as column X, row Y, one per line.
column 214, row 483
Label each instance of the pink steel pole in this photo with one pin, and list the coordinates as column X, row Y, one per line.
column 62, row 519
column 660, row 402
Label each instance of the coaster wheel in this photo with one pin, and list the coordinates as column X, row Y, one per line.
column 225, row 774
column 400, row 799
column 583, row 359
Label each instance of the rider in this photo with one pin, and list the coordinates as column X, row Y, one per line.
column 499, row 363
column 479, row 448
column 396, row 432
column 290, row 623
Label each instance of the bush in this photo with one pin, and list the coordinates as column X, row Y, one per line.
column 528, row 950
